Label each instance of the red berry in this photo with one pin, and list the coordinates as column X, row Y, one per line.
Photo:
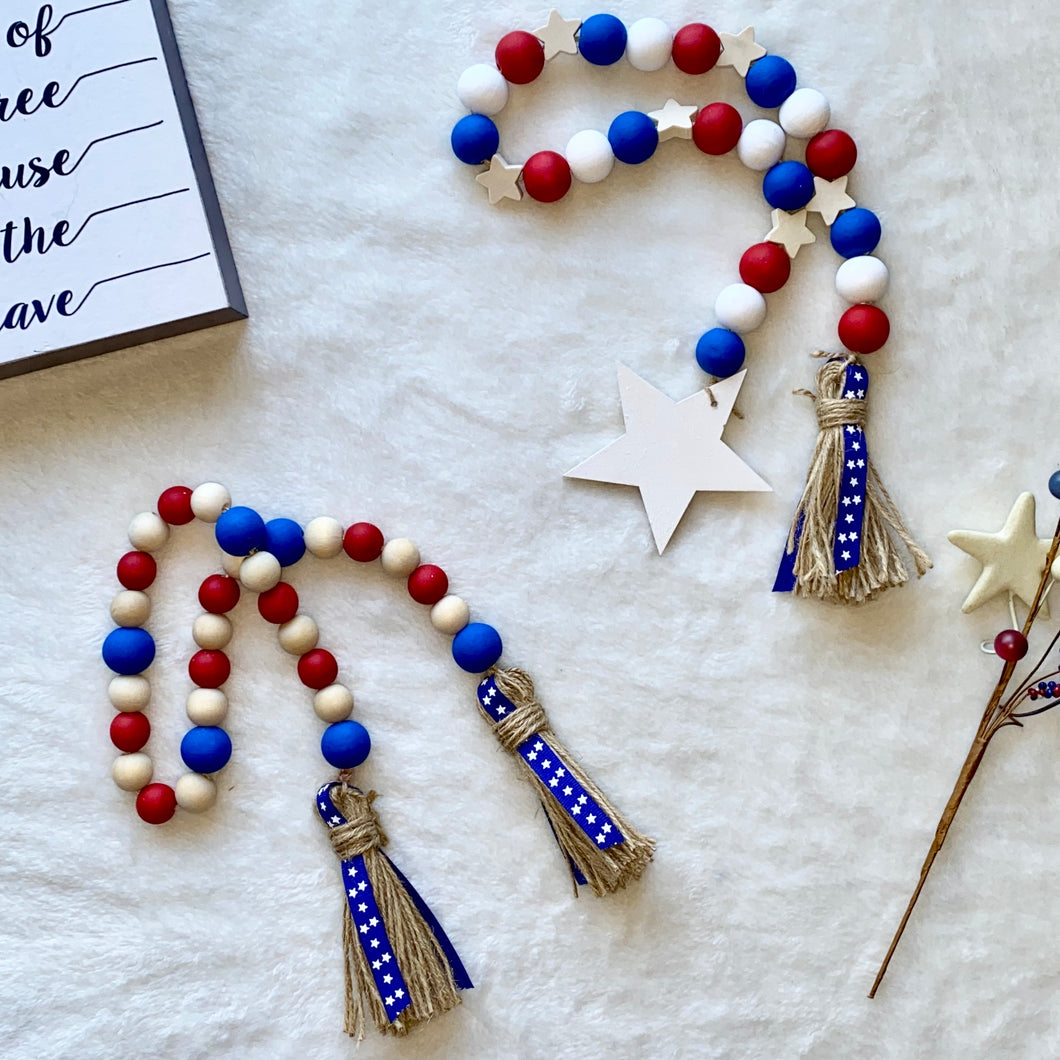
column 278, row 604
column 717, row 128
column 317, row 669
column 765, row 267
column 696, row 48
column 129, row 732
column 363, row 542
column 156, row 803
column 1010, row 645
column 209, row 669
column 174, row 505
column 864, row 328
column 218, row 594
column 428, row 584
column 520, row 56
column 546, row 176
column 831, row 154
column 137, row 570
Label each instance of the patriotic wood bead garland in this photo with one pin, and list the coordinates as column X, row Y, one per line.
column 793, row 189
column 399, row 965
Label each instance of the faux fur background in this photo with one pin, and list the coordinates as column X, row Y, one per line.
column 418, row 358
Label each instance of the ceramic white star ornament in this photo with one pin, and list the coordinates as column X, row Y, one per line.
column 674, row 121
column 671, row 450
column 1013, row 559
column 501, row 180
column 830, row 198
column 790, row 231
column 557, row 35
column 739, row 50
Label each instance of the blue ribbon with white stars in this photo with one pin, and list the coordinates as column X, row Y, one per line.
column 369, row 926
column 555, row 775
column 846, row 541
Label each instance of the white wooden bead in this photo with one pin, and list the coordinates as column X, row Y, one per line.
column 130, row 608
column 861, row 279
column 589, row 156
column 148, row 532
column 400, row 557
column 740, row 308
column 761, row 144
column 195, row 793
column 648, row 44
column 323, row 537
column 482, row 89
column 450, row 615
column 260, row 572
column 804, row 113
column 209, row 500
column 132, row 772
column 334, row 703
column 231, row 564
column 207, row 706
column 211, row 632
column 299, row 635
column 129, row 693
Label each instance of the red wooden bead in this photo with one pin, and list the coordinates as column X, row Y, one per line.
column 218, row 594
column 546, row 176
column 137, row 570
column 428, row 584
column 317, row 669
column 156, row 803
column 765, row 267
column 831, row 154
column 717, row 128
column 129, row 732
column 209, row 669
column 696, row 48
column 363, row 542
column 174, row 505
column 278, row 604
column 520, row 57
column 1010, row 645
column 864, row 328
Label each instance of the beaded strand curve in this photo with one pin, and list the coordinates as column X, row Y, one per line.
column 791, row 188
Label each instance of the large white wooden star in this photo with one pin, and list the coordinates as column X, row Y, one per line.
column 674, row 120
column 557, row 34
column 790, row 231
column 500, row 180
column 739, row 50
column 830, row 198
column 1013, row 559
column 671, row 449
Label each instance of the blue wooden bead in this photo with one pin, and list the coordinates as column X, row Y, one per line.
column 1054, row 484
column 477, row 647
column 129, row 650
column 602, row 39
column 770, row 81
column 788, row 186
column 285, row 540
column 206, row 749
column 346, row 744
column 855, row 232
column 720, row 352
column 475, row 139
column 240, row 531
column 633, row 137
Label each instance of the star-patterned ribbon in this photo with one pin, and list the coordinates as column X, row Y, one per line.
column 554, row 774
column 369, row 926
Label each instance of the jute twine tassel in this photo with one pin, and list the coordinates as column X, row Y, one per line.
column 605, row 870
column 813, row 530
column 418, row 954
